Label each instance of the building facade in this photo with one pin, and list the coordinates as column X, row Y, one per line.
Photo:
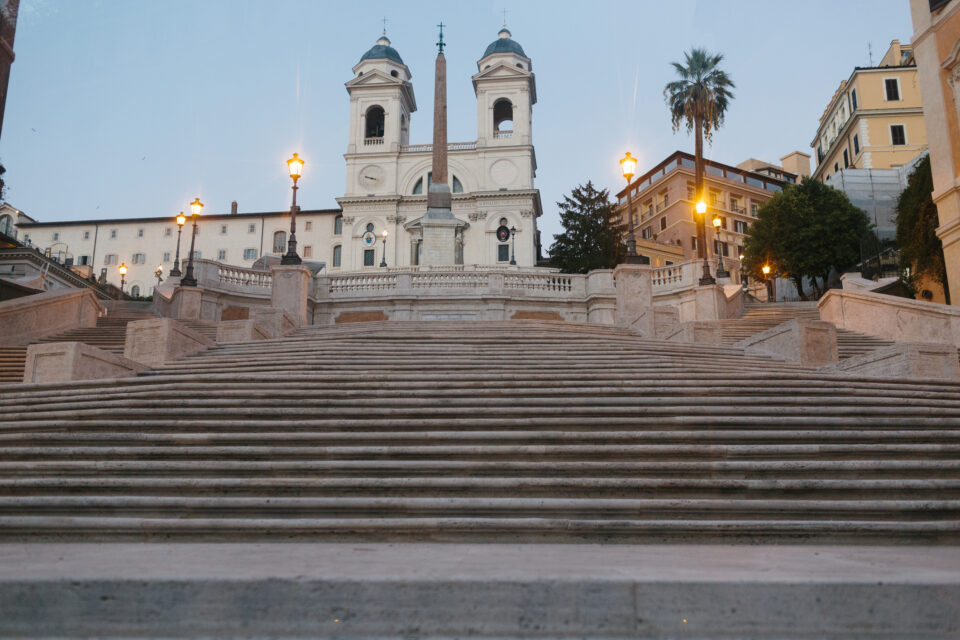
column 936, row 38
column 663, row 206
column 875, row 118
column 386, row 189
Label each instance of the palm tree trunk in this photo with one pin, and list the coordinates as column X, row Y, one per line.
column 701, row 220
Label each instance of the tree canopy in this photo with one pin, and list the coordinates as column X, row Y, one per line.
column 921, row 251
column 592, row 233
column 805, row 231
column 702, row 92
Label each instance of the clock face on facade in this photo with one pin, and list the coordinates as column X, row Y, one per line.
column 503, row 234
column 371, row 177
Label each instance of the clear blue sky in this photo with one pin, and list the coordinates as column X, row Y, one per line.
column 123, row 108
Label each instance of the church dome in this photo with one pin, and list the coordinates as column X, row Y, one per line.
column 382, row 51
column 504, row 44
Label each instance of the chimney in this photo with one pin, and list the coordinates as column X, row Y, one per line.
column 233, row 208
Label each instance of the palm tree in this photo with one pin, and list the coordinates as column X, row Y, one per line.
column 700, row 99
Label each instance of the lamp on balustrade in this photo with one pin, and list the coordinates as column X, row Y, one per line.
column 295, row 168
column 721, row 272
column 383, row 258
column 701, row 209
column 513, row 245
column 175, row 272
column 159, row 273
column 628, row 166
column 188, row 279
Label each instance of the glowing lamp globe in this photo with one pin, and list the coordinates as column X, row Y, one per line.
column 701, row 207
column 196, row 206
column 295, row 166
column 122, row 268
column 717, row 222
column 181, row 219
column 628, row 165
column 384, row 233
column 766, row 269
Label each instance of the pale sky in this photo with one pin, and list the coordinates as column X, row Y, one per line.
column 129, row 108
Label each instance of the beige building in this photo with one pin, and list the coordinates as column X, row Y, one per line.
column 875, row 118
column 663, row 206
column 936, row 37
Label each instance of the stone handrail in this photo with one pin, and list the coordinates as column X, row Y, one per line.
column 449, row 280
column 30, row 318
column 538, row 282
column 362, row 283
column 216, row 276
column 899, row 319
column 683, row 275
column 230, row 276
column 452, row 146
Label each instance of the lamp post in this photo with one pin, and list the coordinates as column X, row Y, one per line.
column 123, row 275
column 188, row 279
column 295, row 166
column 175, row 272
column 766, row 272
column 628, row 165
column 383, row 258
column 721, row 272
column 513, row 246
column 159, row 273
column 701, row 210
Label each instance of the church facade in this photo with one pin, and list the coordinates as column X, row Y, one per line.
column 387, row 182
column 491, row 178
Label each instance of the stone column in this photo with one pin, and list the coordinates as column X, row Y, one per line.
column 635, row 298
column 291, row 287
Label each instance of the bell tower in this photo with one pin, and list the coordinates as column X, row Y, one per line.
column 506, row 92
column 381, row 101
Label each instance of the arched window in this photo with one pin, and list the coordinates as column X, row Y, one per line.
column 338, row 225
column 135, row 291
column 375, row 120
column 418, row 187
column 457, row 187
column 280, row 242
column 369, row 226
column 394, row 73
column 502, row 118
column 6, row 225
column 337, row 255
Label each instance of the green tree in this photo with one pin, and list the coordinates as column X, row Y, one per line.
column 592, row 233
column 920, row 249
column 805, row 231
column 699, row 99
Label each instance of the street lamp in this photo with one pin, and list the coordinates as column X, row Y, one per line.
column 513, row 246
column 721, row 272
column 123, row 274
column 295, row 166
column 701, row 209
column 383, row 258
column 628, row 165
column 766, row 281
column 188, row 279
column 175, row 272
column 159, row 273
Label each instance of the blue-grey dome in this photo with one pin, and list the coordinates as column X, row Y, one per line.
column 504, row 44
column 382, row 51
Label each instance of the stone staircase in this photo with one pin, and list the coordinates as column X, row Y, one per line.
column 12, row 361
column 519, row 431
column 759, row 316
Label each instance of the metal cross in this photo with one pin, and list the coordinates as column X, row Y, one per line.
column 441, row 43
column 384, row 25
column 504, row 17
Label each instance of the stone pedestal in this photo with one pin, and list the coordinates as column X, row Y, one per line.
column 907, row 360
column 276, row 321
column 809, row 342
column 188, row 303
column 161, row 340
column 291, row 286
column 702, row 332
column 65, row 361
column 635, row 298
column 439, row 238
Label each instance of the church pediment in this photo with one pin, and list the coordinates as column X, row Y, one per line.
column 502, row 70
column 374, row 78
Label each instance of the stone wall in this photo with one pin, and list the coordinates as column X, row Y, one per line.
column 898, row 319
column 30, row 318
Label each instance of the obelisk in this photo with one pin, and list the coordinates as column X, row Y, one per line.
column 438, row 224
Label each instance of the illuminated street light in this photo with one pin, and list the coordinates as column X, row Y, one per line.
column 295, row 167
column 383, row 258
column 628, row 166
column 189, row 280
column 175, row 272
column 123, row 275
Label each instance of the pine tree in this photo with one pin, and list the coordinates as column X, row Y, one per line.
column 592, row 235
